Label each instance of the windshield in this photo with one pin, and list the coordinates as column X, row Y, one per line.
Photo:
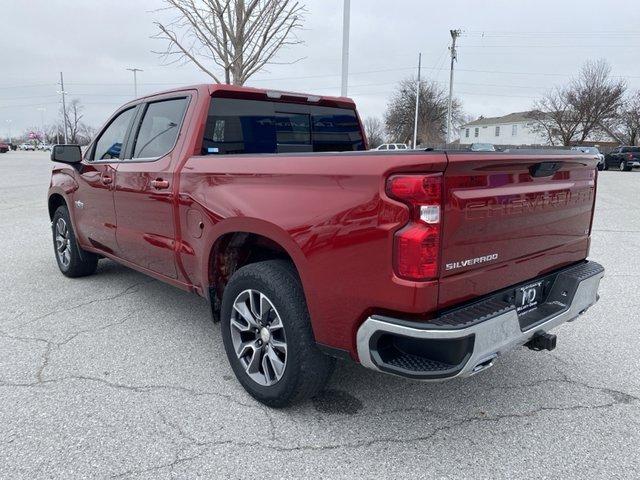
column 483, row 147
column 593, row 150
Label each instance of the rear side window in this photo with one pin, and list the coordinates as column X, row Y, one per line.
column 159, row 128
column 109, row 144
column 237, row 126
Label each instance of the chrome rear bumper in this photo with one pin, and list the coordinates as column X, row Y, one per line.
column 466, row 340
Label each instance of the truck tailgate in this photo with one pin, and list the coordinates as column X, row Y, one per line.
column 510, row 217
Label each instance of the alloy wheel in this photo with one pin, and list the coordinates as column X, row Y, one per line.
column 258, row 337
column 63, row 246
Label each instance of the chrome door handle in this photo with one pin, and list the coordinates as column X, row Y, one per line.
column 159, row 184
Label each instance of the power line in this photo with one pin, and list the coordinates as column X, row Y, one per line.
column 552, row 46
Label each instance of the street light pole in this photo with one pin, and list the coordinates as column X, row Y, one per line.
column 415, row 120
column 345, row 47
column 135, row 80
column 9, row 127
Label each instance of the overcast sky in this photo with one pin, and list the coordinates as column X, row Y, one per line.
column 511, row 52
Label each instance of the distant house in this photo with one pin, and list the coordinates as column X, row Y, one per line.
column 517, row 129
column 512, row 129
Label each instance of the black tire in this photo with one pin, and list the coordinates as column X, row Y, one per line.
column 306, row 369
column 624, row 167
column 72, row 260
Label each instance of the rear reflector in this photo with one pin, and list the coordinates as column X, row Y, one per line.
column 417, row 244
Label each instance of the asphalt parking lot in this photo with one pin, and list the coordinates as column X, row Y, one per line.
column 120, row 376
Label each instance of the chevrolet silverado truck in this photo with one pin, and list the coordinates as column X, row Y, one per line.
column 423, row 264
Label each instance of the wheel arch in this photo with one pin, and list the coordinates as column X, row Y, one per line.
column 55, row 201
column 241, row 244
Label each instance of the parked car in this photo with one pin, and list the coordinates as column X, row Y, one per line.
column 26, row 146
column 307, row 247
column 482, row 147
column 392, row 146
column 45, row 147
column 592, row 151
column 623, row 158
column 4, row 147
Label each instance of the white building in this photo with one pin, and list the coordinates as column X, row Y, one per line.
column 513, row 129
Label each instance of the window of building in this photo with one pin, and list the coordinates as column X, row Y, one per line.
column 476, row 132
column 497, row 130
column 466, row 133
column 514, row 130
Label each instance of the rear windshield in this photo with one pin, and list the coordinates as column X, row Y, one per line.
column 236, row 126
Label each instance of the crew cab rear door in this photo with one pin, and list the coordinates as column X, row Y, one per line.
column 144, row 189
column 509, row 217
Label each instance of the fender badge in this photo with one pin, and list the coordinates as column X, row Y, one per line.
column 79, row 204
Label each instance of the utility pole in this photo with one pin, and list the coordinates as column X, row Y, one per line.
column 345, row 47
column 64, row 109
column 415, row 120
column 454, row 56
column 135, row 80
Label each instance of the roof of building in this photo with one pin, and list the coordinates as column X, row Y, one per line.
column 516, row 117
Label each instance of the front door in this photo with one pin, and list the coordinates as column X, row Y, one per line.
column 93, row 202
column 144, row 193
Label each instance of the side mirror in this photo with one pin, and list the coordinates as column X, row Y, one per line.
column 70, row 154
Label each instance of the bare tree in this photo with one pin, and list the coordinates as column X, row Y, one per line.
column 555, row 118
column 587, row 105
column 432, row 113
column 628, row 125
column 239, row 36
column 73, row 119
column 78, row 131
column 374, row 130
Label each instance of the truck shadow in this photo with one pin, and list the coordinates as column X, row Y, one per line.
column 521, row 384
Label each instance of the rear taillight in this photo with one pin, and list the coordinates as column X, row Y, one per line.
column 630, row 156
column 417, row 244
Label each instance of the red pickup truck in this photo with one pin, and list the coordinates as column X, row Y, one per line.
column 423, row 264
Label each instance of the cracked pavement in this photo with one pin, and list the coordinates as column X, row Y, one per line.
column 120, row 376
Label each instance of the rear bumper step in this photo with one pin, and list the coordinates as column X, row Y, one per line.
column 467, row 339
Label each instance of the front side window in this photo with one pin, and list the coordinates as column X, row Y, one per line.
column 237, row 126
column 109, row 144
column 159, row 128
column 392, row 147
